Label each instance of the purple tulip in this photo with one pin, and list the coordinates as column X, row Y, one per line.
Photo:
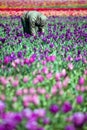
column 3, row 40
column 54, row 108
column 66, row 107
column 46, row 121
column 6, row 60
column 19, row 54
column 9, row 124
column 41, row 112
column 34, row 117
column 2, row 127
column 81, row 81
column 40, row 128
column 70, row 127
column 26, row 61
column 78, row 119
column 27, row 113
column 17, row 117
column 32, row 125
column 79, row 99
column 51, row 45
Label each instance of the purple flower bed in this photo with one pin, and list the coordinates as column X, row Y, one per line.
column 43, row 78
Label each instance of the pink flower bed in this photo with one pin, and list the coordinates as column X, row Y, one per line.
column 49, row 13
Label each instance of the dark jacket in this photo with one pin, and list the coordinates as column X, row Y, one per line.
column 32, row 20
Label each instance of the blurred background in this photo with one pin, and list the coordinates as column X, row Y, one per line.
column 43, row 3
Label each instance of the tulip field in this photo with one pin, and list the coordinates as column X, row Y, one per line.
column 43, row 78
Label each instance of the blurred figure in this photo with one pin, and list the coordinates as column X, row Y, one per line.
column 32, row 21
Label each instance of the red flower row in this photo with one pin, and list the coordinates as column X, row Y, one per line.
column 48, row 12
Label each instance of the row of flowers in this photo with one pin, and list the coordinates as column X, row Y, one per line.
column 48, row 13
column 35, row 3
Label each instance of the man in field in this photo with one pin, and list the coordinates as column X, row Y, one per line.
column 32, row 21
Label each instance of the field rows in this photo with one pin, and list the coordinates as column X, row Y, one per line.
column 47, row 12
column 44, row 3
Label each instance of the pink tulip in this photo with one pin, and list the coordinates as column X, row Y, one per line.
column 85, row 72
column 31, row 60
column 25, row 91
column 48, row 96
column 19, row 92
column 26, row 100
column 35, row 99
column 63, row 73
column 2, row 97
column 49, row 76
column 70, row 66
column 22, row 63
column 3, row 81
column 81, row 81
column 26, row 61
column 47, row 59
column 57, row 76
column 47, row 12
column 35, row 81
column 64, row 84
column 44, row 62
column 6, row 60
column 25, row 104
column 25, row 79
column 41, row 90
column 66, row 81
column 14, row 99
column 45, row 70
column 79, row 99
column 14, row 64
column 78, row 88
column 17, row 61
column 54, row 90
column 59, row 84
column 52, row 58
column 32, row 90
column 82, row 89
column 40, row 78
column 15, row 83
